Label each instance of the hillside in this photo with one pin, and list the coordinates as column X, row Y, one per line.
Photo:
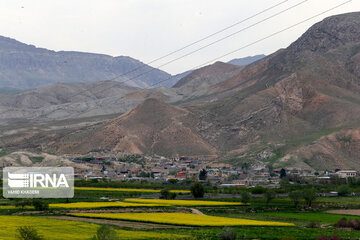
column 26, row 66
column 66, row 100
column 151, row 127
column 297, row 108
column 291, row 98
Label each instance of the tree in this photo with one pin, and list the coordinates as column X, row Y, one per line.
column 295, row 196
column 269, row 195
column 309, row 196
column 270, row 168
column 172, row 195
column 173, row 181
column 197, row 190
column 282, row 173
column 245, row 197
column 28, row 233
column 40, row 205
column 165, row 194
column 105, row 233
column 203, row 175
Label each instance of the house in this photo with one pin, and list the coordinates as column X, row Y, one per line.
column 180, row 175
column 347, row 173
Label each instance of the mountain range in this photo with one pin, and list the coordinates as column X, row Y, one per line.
column 26, row 66
column 296, row 108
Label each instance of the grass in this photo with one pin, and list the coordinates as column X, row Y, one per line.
column 183, row 219
column 339, row 200
column 184, row 202
column 101, row 205
column 269, row 233
column 128, row 190
column 326, row 218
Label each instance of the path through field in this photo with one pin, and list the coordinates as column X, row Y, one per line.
column 196, row 211
column 355, row 212
column 118, row 223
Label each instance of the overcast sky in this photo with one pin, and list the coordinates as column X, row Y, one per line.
column 148, row 29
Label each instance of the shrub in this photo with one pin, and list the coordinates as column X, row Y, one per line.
column 245, row 197
column 105, row 233
column 197, row 190
column 22, row 203
column 228, row 234
column 313, row 224
column 40, row 205
column 342, row 223
column 354, row 224
column 258, row 190
column 343, row 190
column 28, row 233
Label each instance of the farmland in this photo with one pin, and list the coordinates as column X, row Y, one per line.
column 195, row 203
column 184, row 219
column 128, row 190
column 154, row 218
column 101, row 205
column 62, row 229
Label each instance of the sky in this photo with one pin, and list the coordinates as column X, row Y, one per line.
column 149, row 29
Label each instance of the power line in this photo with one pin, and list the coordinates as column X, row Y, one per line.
column 200, row 40
column 219, row 40
column 260, row 40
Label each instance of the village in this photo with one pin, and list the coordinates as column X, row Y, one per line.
column 137, row 168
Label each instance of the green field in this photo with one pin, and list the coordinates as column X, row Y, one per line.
column 321, row 217
column 61, row 229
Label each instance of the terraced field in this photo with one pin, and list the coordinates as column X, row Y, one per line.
column 128, row 190
column 184, row 202
column 185, row 219
column 103, row 205
column 55, row 229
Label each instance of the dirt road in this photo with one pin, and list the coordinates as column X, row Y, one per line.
column 118, row 223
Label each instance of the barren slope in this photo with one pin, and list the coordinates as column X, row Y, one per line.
column 151, row 127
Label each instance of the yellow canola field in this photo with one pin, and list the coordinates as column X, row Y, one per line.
column 55, row 229
column 14, row 207
column 186, row 219
column 183, row 202
column 101, row 205
column 128, row 190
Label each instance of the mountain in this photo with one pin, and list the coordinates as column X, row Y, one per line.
column 237, row 62
column 198, row 82
column 66, row 100
column 151, row 127
column 246, row 60
column 26, row 66
column 278, row 108
column 78, row 100
column 296, row 108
